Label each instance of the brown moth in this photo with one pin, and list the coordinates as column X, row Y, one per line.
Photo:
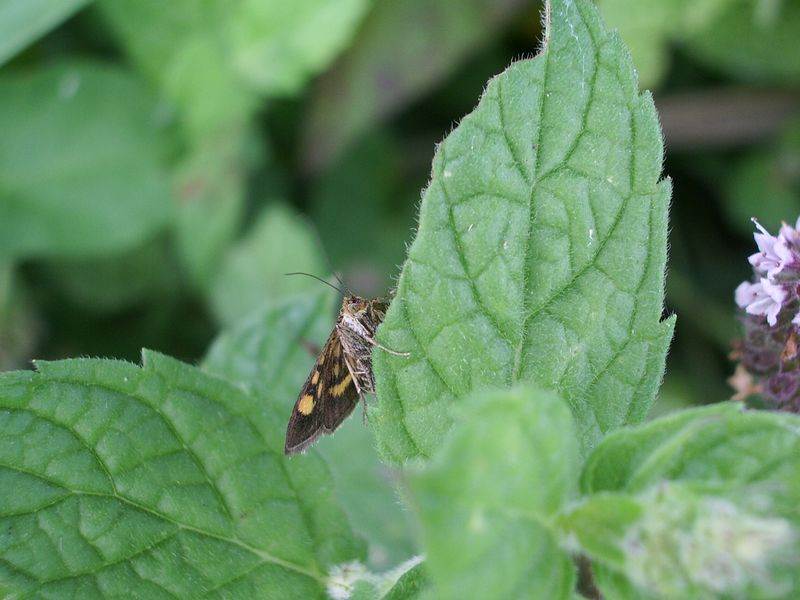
column 341, row 375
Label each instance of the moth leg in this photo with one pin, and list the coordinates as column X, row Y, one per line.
column 364, row 417
column 377, row 344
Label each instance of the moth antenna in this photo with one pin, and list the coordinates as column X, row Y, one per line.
column 328, row 283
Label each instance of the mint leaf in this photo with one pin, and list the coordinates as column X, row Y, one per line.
column 698, row 504
column 81, row 168
column 541, row 248
column 24, row 21
column 485, row 500
column 253, row 271
column 158, row 481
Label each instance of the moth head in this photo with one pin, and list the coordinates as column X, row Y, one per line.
column 353, row 305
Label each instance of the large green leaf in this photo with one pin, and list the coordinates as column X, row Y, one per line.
column 541, row 248
column 156, row 482
column 24, row 21
column 485, row 501
column 81, row 163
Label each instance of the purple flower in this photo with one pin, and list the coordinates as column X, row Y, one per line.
column 762, row 298
column 769, row 354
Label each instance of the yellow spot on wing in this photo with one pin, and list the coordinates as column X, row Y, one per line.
column 315, row 378
column 322, row 358
column 338, row 389
column 306, row 404
column 336, row 370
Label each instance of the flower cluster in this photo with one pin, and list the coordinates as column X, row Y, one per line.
column 769, row 361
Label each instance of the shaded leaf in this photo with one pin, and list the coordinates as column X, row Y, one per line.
column 253, row 271
column 81, row 167
column 402, row 50
column 22, row 22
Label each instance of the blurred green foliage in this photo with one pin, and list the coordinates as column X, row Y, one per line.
column 162, row 164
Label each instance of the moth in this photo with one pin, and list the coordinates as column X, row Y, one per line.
column 341, row 376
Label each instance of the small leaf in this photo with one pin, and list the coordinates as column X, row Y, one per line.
column 22, row 22
column 541, row 248
column 277, row 47
column 81, row 170
column 156, row 481
column 210, row 194
column 701, row 504
column 253, row 271
column 485, row 500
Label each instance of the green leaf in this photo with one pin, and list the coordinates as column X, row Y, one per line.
column 153, row 482
column 253, row 271
column 541, row 248
column 181, row 46
column 266, row 352
column 22, row 22
column 373, row 80
column 700, row 504
column 752, row 41
column 210, row 195
column 81, row 164
column 648, row 27
column 212, row 60
column 279, row 46
column 485, row 501
column 410, row 585
column 111, row 283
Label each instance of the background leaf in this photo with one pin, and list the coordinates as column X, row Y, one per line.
column 541, row 248
column 112, row 484
column 82, row 168
column 253, row 272
column 373, row 79
column 484, row 501
column 23, row 21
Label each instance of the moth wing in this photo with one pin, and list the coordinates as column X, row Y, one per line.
column 326, row 399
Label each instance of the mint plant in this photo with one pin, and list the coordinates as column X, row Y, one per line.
column 509, row 447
